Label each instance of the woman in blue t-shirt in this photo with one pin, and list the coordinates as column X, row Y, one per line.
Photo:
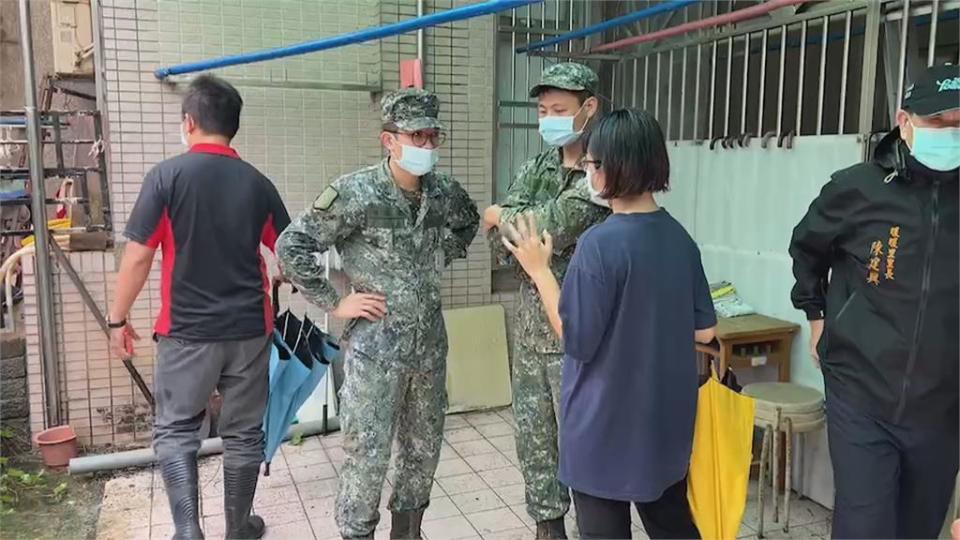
column 634, row 300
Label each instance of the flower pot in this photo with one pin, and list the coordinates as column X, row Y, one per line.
column 57, row 445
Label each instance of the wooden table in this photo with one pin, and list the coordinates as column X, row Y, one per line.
column 763, row 332
column 773, row 337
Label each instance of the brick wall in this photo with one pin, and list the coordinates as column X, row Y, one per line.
column 306, row 120
column 14, row 400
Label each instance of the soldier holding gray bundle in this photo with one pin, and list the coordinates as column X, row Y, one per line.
column 396, row 226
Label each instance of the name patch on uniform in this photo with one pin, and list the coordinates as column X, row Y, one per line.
column 326, row 198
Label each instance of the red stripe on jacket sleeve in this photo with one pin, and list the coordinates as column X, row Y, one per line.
column 268, row 236
column 267, row 304
column 163, row 236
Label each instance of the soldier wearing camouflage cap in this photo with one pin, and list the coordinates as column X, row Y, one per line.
column 568, row 76
column 411, row 109
column 396, row 226
column 552, row 187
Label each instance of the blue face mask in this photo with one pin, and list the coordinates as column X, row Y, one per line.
column 937, row 148
column 417, row 161
column 558, row 130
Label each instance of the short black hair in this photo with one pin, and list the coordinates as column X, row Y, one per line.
column 630, row 148
column 583, row 96
column 214, row 104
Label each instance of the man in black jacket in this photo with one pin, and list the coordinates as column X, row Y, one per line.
column 876, row 266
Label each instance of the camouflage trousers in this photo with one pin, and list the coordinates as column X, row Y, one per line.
column 378, row 400
column 536, row 403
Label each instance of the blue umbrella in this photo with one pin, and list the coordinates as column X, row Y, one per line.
column 298, row 361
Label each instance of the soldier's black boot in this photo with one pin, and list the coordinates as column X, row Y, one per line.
column 181, row 481
column 239, row 485
column 406, row 525
column 552, row 529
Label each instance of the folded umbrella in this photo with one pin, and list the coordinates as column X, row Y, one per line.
column 330, row 355
column 720, row 463
column 297, row 364
column 287, row 373
column 320, row 343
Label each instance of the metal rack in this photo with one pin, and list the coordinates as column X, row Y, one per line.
column 774, row 70
column 53, row 124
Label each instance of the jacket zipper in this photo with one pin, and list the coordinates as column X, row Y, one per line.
column 825, row 337
column 845, row 305
column 924, row 294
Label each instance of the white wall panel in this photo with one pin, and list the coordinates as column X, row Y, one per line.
column 741, row 206
column 681, row 200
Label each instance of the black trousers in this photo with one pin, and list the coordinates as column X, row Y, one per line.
column 891, row 481
column 667, row 517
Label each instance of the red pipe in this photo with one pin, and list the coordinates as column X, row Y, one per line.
column 726, row 18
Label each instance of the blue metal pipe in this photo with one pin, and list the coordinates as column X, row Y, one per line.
column 360, row 36
column 665, row 7
column 19, row 121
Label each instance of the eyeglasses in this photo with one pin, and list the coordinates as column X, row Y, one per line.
column 420, row 138
column 595, row 163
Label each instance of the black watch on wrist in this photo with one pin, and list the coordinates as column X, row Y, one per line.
column 115, row 325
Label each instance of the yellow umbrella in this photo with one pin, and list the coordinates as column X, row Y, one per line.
column 720, row 465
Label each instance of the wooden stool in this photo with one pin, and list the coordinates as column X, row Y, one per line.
column 782, row 408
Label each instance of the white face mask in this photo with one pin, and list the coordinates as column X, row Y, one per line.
column 183, row 137
column 417, row 161
column 595, row 196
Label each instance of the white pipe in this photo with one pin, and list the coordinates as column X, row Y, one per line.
column 420, row 33
column 15, row 256
column 6, row 273
column 145, row 456
column 8, row 296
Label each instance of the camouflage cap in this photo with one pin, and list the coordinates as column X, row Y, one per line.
column 567, row 76
column 411, row 109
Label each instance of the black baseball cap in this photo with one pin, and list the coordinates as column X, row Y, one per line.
column 936, row 90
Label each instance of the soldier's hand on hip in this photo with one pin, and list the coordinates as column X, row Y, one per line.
column 371, row 307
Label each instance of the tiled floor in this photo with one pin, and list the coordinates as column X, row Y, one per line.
column 478, row 493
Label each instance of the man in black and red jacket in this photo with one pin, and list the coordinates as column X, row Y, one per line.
column 209, row 212
column 876, row 266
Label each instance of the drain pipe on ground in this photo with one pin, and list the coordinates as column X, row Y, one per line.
column 144, row 456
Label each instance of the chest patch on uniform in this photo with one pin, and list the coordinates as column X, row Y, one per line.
column 326, row 198
column 384, row 216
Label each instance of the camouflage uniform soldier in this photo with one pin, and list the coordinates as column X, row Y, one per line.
column 396, row 226
column 552, row 187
